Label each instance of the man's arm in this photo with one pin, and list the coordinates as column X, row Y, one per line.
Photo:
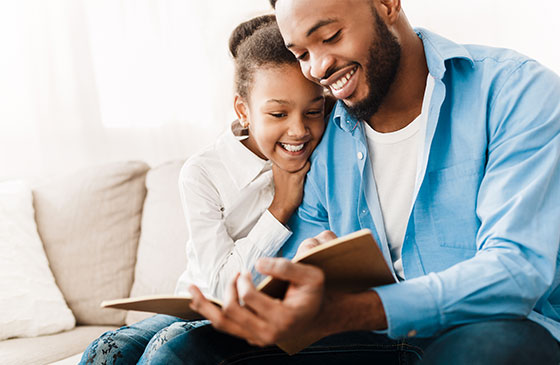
column 517, row 205
column 306, row 308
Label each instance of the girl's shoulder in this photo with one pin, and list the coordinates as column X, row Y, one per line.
column 208, row 163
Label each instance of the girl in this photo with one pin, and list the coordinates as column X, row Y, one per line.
column 239, row 194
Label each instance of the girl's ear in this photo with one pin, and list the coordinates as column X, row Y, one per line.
column 241, row 109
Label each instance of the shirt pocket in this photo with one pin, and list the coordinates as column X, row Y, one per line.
column 454, row 193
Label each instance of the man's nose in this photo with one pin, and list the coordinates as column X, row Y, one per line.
column 320, row 65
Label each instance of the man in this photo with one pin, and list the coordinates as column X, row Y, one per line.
column 450, row 154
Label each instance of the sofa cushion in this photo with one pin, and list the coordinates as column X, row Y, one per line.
column 30, row 302
column 89, row 222
column 161, row 250
column 46, row 349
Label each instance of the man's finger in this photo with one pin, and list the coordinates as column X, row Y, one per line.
column 231, row 291
column 325, row 237
column 261, row 304
column 295, row 273
column 244, row 328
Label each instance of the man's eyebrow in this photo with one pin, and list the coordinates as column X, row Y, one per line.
column 314, row 28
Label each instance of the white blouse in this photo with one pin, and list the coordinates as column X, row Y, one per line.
column 226, row 191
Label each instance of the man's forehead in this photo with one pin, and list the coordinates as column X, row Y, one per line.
column 301, row 15
column 304, row 17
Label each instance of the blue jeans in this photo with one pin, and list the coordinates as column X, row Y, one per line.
column 128, row 344
column 491, row 342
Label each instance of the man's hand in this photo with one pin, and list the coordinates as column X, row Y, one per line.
column 263, row 320
column 305, row 309
column 313, row 242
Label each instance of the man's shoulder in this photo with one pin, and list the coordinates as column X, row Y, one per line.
column 334, row 138
column 496, row 56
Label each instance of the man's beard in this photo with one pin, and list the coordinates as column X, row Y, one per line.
column 381, row 69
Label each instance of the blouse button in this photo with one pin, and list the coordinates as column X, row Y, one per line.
column 360, row 155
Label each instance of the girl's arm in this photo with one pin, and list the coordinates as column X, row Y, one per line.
column 213, row 256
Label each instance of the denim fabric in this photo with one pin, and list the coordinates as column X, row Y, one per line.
column 126, row 344
column 166, row 334
column 493, row 342
column 204, row 345
column 500, row 342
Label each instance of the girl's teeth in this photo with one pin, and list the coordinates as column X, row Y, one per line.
column 293, row 148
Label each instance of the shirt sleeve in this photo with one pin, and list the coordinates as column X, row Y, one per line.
column 213, row 256
column 518, row 208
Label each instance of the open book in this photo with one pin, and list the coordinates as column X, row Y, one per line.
column 351, row 263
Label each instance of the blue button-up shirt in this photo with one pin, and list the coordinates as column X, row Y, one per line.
column 484, row 230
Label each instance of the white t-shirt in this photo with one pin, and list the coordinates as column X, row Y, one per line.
column 226, row 191
column 395, row 160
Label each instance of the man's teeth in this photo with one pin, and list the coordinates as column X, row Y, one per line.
column 343, row 80
column 293, row 148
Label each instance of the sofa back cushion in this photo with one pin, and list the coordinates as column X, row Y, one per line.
column 30, row 302
column 89, row 222
column 161, row 249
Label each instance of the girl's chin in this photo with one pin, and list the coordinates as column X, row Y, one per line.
column 290, row 166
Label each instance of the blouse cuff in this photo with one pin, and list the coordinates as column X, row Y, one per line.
column 268, row 235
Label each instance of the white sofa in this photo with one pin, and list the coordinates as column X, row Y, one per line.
column 109, row 232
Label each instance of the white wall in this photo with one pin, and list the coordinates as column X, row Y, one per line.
column 526, row 26
column 89, row 81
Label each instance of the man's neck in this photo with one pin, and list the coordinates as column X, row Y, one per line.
column 403, row 102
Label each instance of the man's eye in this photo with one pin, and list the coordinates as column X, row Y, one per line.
column 302, row 56
column 314, row 112
column 277, row 115
column 333, row 38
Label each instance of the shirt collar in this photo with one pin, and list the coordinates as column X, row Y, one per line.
column 437, row 50
column 242, row 165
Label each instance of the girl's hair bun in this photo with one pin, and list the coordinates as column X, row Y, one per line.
column 246, row 30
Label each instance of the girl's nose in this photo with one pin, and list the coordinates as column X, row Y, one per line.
column 297, row 128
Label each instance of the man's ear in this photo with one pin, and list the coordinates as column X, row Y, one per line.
column 241, row 110
column 389, row 10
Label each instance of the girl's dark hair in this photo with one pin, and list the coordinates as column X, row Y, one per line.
column 254, row 44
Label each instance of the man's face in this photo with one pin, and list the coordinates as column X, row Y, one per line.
column 343, row 45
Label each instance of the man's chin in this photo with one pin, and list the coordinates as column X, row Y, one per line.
column 362, row 110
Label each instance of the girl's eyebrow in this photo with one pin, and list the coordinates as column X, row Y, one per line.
column 285, row 102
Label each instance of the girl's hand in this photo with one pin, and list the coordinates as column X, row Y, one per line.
column 288, row 192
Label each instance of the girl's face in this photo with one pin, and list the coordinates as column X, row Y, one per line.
column 285, row 113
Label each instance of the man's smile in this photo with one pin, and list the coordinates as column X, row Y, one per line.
column 342, row 83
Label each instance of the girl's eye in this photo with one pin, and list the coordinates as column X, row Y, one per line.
column 314, row 113
column 277, row 115
column 333, row 38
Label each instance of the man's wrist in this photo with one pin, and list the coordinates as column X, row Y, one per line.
column 353, row 312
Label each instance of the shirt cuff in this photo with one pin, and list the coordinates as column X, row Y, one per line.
column 410, row 308
column 268, row 235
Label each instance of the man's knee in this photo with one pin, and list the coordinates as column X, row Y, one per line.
column 495, row 342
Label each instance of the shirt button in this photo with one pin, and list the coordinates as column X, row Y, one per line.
column 360, row 155
column 412, row 333
column 363, row 211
